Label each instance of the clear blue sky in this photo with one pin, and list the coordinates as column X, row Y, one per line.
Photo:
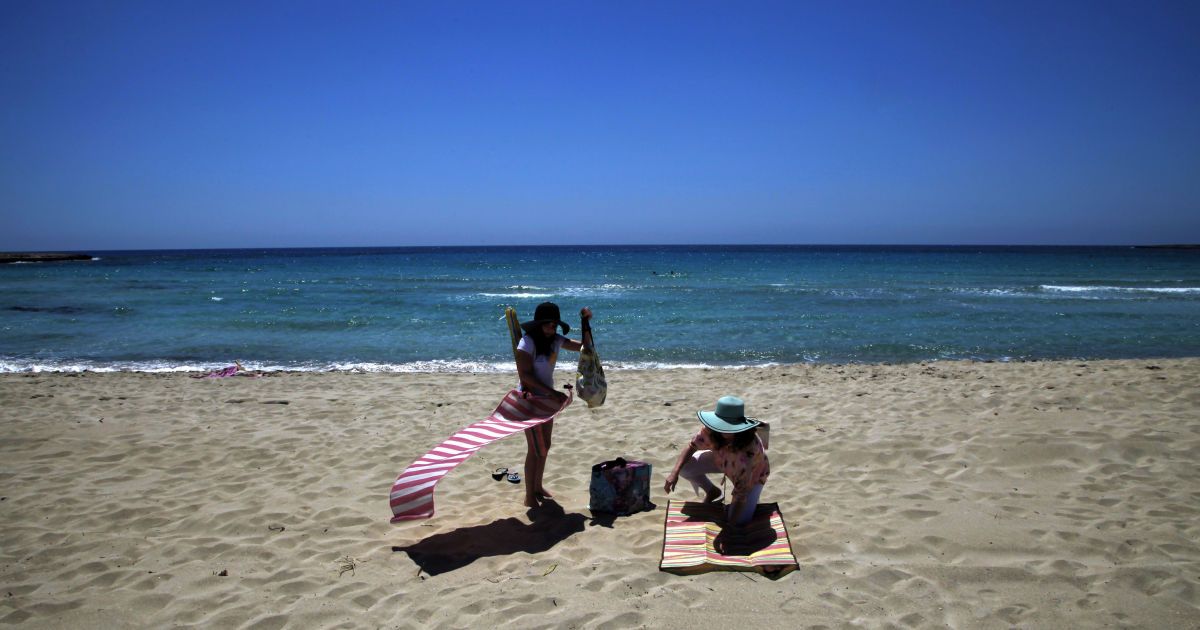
column 258, row 124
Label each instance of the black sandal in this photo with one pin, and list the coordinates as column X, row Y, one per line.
column 499, row 473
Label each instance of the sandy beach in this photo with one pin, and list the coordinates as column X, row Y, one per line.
column 969, row 495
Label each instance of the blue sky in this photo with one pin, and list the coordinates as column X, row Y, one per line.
column 150, row 125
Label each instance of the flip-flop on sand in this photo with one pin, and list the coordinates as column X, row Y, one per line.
column 514, row 477
column 499, row 473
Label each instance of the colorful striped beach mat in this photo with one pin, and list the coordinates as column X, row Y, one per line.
column 412, row 494
column 692, row 529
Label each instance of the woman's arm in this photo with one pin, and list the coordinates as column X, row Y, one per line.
column 673, row 478
column 585, row 314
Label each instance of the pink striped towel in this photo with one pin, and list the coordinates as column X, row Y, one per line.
column 412, row 494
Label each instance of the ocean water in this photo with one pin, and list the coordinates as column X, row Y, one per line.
column 441, row 309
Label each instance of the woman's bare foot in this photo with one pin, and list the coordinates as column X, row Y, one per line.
column 543, row 493
column 533, row 500
column 711, row 496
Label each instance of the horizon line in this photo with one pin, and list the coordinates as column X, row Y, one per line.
column 602, row 245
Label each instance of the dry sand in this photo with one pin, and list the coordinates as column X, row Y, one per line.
column 1051, row 495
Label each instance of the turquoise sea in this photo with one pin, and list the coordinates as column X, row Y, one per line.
column 441, row 309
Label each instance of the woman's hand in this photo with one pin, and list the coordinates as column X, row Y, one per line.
column 672, row 479
column 551, row 393
column 585, row 313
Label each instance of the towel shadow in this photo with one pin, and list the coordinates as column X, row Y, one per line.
column 456, row 549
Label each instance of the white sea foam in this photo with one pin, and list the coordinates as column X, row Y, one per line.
column 515, row 295
column 993, row 292
column 523, row 291
column 653, row 365
column 600, row 289
column 216, row 299
column 1067, row 289
column 424, row 367
column 659, row 365
column 1107, row 289
column 9, row 366
column 1075, row 291
column 438, row 366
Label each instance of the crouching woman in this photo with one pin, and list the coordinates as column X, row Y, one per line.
column 727, row 443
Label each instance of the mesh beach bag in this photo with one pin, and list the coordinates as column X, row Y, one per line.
column 590, row 384
column 620, row 487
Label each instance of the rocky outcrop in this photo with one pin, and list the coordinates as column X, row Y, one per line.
column 41, row 257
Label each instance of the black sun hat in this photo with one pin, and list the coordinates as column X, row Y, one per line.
column 546, row 312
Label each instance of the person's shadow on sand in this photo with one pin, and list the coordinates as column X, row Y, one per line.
column 745, row 542
column 756, row 535
column 455, row 549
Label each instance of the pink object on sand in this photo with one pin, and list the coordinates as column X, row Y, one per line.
column 412, row 494
column 221, row 373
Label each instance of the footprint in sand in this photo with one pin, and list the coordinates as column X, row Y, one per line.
column 919, row 515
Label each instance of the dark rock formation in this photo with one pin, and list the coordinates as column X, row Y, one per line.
column 41, row 257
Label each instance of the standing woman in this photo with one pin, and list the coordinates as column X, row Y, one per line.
column 537, row 352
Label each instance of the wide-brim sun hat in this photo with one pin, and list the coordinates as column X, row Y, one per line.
column 546, row 312
column 728, row 417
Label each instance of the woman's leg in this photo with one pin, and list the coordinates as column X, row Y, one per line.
column 533, row 459
column 547, row 428
column 537, row 440
column 748, row 509
column 697, row 469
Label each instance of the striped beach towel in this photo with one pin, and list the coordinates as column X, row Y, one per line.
column 691, row 529
column 412, row 494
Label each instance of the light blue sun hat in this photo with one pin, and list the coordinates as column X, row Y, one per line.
column 728, row 417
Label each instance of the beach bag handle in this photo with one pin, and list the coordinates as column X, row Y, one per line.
column 613, row 463
column 588, row 342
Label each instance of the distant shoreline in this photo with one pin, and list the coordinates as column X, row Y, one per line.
column 41, row 257
column 666, row 247
column 482, row 368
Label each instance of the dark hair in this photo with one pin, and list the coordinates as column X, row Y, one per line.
column 738, row 440
column 543, row 345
